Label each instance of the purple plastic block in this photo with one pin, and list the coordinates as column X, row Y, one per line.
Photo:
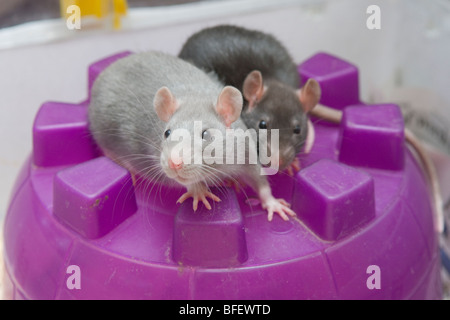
column 136, row 242
column 333, row 207
column 337, row 78
column 223, row 226
column 94, row 197
column 373, row 136
column 61, row 135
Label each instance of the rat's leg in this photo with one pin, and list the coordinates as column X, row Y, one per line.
column 259, row 183
column 199, row 192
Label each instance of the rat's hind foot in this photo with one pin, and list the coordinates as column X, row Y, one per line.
column 279, row 206
column 199, row 194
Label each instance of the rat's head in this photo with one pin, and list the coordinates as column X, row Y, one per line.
column 194, row 132
column 276, row 106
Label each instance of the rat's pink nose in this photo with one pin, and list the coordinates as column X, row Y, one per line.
column 175, row 163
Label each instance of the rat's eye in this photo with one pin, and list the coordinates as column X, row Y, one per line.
column 206, row 135
column 263, row 125
column 167, row 133
column 297, row 129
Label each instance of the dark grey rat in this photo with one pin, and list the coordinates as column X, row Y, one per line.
column 143, row 105
column 260, row 66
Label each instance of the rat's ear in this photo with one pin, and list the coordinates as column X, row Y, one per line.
column 229, row 105
column 165, row 104
column 253, row 88
column 309, row 95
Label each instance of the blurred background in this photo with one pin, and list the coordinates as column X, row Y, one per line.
column 14, row 12
column 404, row 62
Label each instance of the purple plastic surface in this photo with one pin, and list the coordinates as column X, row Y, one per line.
column 361, row 200
column 90, row 197
column 339, row 77
column 372, row 136
column 61, row 135
column 222, row 228
column 331, row 206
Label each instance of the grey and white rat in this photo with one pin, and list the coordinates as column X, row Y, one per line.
column 260, row 66
column 141, row 102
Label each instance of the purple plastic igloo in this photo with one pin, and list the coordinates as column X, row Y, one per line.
column 364, row 229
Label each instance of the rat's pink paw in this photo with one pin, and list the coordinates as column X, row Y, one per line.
column 279, row 206
column 294, row 167
column 199, row 195
column 232, row 183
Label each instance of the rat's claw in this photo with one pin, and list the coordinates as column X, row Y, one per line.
column 206, row 203
column 270, row 215
column 185, row 196
column 279, row 206
column 284, row 203
column 194, row 203
column 213, row 196
column 196, row 196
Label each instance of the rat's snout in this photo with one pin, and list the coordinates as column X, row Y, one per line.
column 175, row 163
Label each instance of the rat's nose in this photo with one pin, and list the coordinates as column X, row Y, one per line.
column 175, row 163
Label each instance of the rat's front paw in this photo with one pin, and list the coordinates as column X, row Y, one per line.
column 294, row 167
column 232, row 183
column 199, row 194
column 279, row 206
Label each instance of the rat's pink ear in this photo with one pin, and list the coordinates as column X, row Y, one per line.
column 229, row 105
column 309, row 95
column 165, row 104
column 253, row 88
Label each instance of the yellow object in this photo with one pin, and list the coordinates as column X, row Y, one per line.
column 97, row 8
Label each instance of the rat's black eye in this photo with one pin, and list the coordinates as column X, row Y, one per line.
column 263, row 125
column 206, row 135
column 167, row 133
column 297, row 130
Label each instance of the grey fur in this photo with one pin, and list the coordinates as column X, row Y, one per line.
column 232, row 53
column 125, row 125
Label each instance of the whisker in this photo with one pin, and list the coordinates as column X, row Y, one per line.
column 133, row 137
